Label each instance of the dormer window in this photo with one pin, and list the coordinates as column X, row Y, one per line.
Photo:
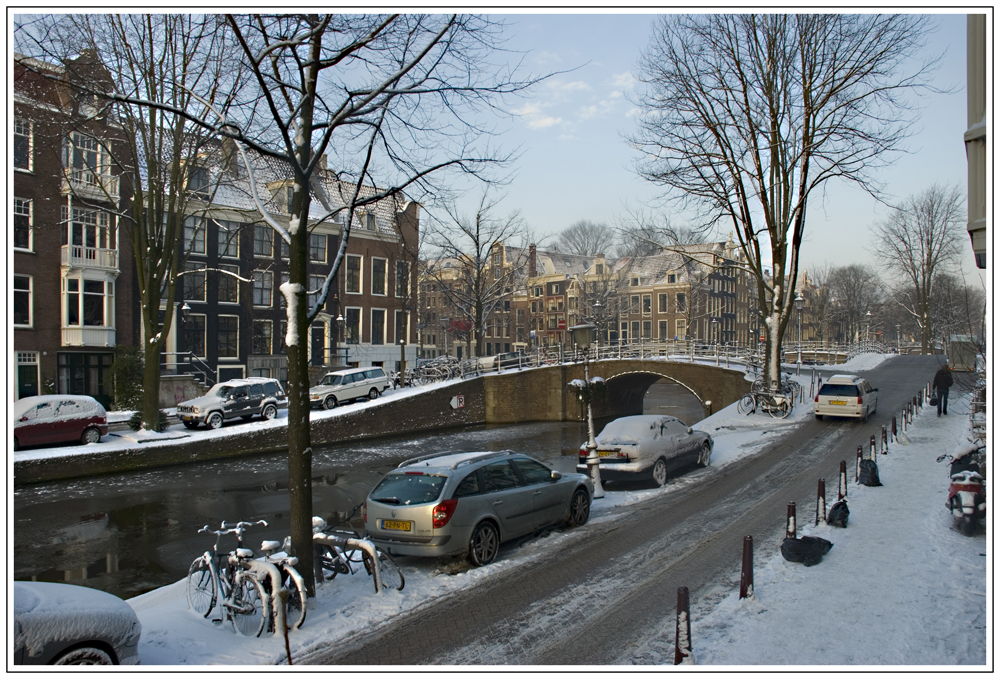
column 198, row 181
column 635, row 281
column 672, row 278
column 370, row 221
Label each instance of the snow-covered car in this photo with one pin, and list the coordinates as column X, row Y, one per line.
column 347, row 385
column 57, row 418
column 846, row 396
column 236, row 398
column 647, row 445
column 59, row 624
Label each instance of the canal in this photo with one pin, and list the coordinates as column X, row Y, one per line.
column 130, row 533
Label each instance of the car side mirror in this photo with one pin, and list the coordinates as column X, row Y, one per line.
column 690, row 430
column 875, row 389
column 556, row 475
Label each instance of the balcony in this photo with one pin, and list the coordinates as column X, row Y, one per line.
column 90, row 185
column 80, row 257
column 88, row 336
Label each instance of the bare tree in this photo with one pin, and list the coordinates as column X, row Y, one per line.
column 855, row 291
column 586, row 238
column 920, row 240
column 744, row 116
column 476, row 262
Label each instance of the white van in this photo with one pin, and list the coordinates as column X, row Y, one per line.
column 343, row 386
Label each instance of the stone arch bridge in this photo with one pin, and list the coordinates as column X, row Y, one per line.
column 544, row 393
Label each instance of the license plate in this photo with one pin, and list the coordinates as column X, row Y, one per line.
column 838, row 403
column 607, row 453
column 396, row 525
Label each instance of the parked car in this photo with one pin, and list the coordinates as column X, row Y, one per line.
column 60, row 624
column 647, row 445
column 846, row 396
column 470, row 503
column 236, row 398
column 342, row 386
column 58, row 418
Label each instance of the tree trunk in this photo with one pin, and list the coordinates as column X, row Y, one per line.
column 151, row 385
column 300, row 459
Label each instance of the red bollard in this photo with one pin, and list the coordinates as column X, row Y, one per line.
column 746, row 572
column 842, row 486
column 857, row 467
column 821, row 502
column 790, row 524
column 885, row 441
column 871, row 447
column 682, row 634
column 895, row 437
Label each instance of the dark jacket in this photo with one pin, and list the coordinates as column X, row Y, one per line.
column 942, row 379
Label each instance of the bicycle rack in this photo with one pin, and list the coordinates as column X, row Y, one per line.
column 352, row 543
column 269, row 570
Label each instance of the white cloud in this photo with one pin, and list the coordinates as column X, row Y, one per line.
column 538, row 123
column 623, row 81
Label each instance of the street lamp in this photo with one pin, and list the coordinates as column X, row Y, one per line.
column 899, row 348
column 715, row 330
column 582, row 336
column 340, row 333
column 444, row 332
column 868, row 327
column 798, row 307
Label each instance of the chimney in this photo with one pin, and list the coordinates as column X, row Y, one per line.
column 532, row 260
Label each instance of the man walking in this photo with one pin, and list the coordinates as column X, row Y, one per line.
column 942, row 381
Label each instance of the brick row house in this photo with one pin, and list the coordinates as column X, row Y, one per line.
column 71, row 286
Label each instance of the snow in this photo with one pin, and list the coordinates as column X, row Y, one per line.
column 53, row 408
column 899, row 587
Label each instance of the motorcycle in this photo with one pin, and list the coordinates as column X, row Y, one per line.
column 967, row 492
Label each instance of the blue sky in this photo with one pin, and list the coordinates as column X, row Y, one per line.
column 576, row 165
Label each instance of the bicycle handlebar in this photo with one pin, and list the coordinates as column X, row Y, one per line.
column 240, row 526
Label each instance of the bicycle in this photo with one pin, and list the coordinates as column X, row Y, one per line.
column 211, row 574
column 295, row 604
column 342, row 556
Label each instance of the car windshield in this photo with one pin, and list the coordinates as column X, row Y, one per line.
column 409, row 488
column 219, row 390
column 838, row 390
column 331, row 380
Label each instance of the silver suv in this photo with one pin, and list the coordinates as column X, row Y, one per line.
column 236, row 398
column 470, row 503
column 347, row 385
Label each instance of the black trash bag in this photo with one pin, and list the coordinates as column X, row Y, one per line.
column 807, row 550
column 838, row 514
column 868, row 474
column 933, row 401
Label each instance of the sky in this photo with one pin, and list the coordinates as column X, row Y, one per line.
column 575, row 163
column 931, row 610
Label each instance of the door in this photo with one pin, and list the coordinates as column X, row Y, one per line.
column 237, row 401
column 511, row 501
column 550, row 499
column 256, row 398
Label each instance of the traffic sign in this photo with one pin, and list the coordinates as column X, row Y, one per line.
column 562, row 324
column 457, row 402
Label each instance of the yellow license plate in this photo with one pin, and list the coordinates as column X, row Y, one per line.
column 396, row 525
column 838, row 403
column 607, row 453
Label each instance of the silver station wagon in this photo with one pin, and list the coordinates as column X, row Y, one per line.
column 469, row 503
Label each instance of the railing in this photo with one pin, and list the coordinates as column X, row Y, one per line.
column 88, row 336
column 92, row 258
column 186, row 363
column 90, row 184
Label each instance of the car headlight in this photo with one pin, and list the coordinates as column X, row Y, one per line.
column 195, row 410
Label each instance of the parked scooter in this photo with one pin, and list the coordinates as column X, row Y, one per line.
column 967, row 492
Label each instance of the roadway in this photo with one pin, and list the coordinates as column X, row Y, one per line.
column 617, row 579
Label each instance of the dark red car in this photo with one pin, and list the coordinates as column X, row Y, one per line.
column 58, row 418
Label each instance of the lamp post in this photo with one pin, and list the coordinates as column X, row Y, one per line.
column 444, row 332
column 899, row 348
column 798, row 307
column 582, row 336
column 868, row 326
column 714, row 323
column 340, row 333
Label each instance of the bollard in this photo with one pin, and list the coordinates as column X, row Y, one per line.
column 871, row 448
column 857, row 467
column 790, row 524
column 821, row 502
column 895, row 437
column 842, row 485
column 885, row 441
column 682, row 634
column 746, row 572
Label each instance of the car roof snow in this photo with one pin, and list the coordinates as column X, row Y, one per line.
column 843, row 379
column 452, row 460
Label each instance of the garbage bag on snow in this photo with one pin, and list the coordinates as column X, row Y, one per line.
column 838, row 514
column 807, row 550
column 868, row 474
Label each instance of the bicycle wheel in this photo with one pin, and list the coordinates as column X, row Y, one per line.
column 780, row 409
column 746, row 405
column 392, row 576
column 295, row 605
column 247, row 608
column 202, row 587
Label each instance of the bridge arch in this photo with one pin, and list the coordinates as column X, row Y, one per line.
column 627, row 391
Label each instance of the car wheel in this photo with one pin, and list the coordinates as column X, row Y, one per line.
column 705, row 458
column 373, row 394
column 85, row 656
column 330, row 403
column 17, row 444
column 660, row 472
column 270, row 412
column 91, row 435
column 865, row 418
column 579, row 508
column 214, row 420
column 190, row 425
column 484, row 545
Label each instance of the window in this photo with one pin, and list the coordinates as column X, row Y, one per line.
column 317, row 247
column 647, row 329
column 88, row 229
column 22, row 144
column 91, row 301
column 671, row 278
column 22, row 300
column 283, row 248
column 402, row 279
column 635, row 329
column 681, row 302
column 87, row 162
column 262, row 337
column 378, row 326
column 193, row 334
column 262, row 288
column 352, row 283
column 647, row 304
column 378, row 275
column 634, row 281
column 634, row 308
column 663, row 330
column 352, row 325
column 27, row 373
column 194, row 234
column 533, row 472
column 370, row 221
column 681, row 328
column 661, row 303
column 22, row 223
column 599, row 269
column 536, row 291
column 198, row 181
column 282, row 278
column 229, row 284
column 229, row 238
column 229, row 336
column 194, row 283
column 500, row 476
column 315, row 283
column 263, row 241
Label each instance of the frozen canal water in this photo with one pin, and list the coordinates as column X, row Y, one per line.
column 130, row 533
